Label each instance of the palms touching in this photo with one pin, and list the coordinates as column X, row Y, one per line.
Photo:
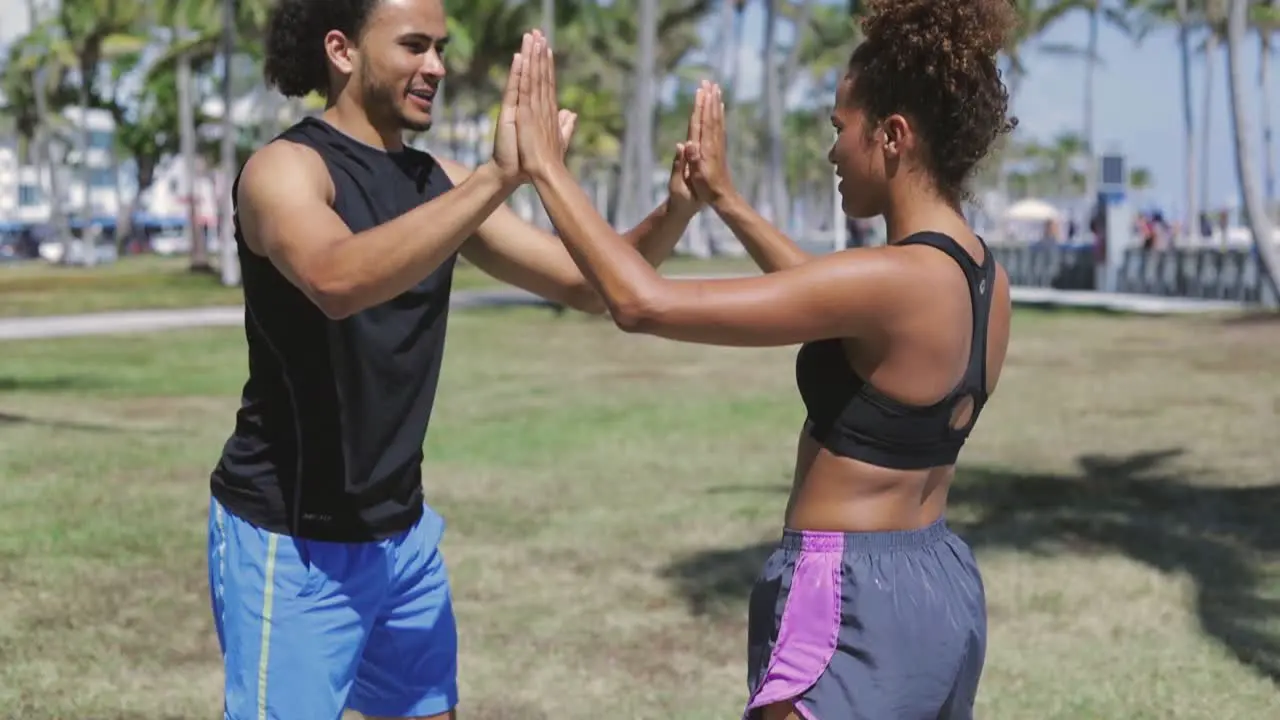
column 508, row 152
column 708, row 166
column 678, row 187
column 539, row 139
column 530, row 105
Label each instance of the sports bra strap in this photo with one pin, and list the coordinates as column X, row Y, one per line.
column 981, row 281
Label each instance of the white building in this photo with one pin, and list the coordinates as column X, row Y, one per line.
column 167, row 198
column 26, row 191
column 101, row 186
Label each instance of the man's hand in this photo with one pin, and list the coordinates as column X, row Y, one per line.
column 705, row 155
column 506, row 157
column 506, row 145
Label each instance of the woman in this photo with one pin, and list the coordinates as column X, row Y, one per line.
column 870, row 607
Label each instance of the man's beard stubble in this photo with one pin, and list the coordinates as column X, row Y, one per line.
column 385, row 102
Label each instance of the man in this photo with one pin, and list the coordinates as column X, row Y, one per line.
column 327, row 585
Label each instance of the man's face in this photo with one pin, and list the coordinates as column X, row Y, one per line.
column 401, row 61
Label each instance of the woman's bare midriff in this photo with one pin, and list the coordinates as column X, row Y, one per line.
column 832, row 493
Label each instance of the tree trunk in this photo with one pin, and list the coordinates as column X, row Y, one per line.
column 641, row 190
column 621, row 212
column 1191, row 227
column 229, row 262
column 1264, row 91
column 731, row 31
column 1090, row 144
column 125, row 229
column 124, row 210
column 87, row 234
column 776, row 110
column 187, row 148
column 540, row 217
column 1206, row 137
column 57, row 211
column 1255, row 208
column 772, row 192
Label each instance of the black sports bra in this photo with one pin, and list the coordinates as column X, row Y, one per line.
column 851, row 418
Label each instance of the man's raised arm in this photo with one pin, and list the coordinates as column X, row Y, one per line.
column 284, row 205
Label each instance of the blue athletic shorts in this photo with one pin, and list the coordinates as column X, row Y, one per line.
column 308, row 628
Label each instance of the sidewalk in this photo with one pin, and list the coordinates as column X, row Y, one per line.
column 131, row 321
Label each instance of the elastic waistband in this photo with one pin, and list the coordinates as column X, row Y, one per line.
column 818, row 541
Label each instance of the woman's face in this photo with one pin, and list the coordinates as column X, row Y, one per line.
column 866, row 154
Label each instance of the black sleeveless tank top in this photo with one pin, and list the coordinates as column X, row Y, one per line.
column 328, row 439
column 851, row 418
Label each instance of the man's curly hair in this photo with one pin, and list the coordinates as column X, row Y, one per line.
column 934, row 61
column 296, row 63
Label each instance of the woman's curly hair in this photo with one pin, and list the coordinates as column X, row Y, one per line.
column 934, row 61
column 296, row 63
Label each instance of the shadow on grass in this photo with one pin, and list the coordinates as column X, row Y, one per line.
column 48, row 384
column 1252, row 318
column 11, row 419
column 1220, row 537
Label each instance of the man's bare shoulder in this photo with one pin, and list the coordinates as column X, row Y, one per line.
column 284, row 185
column 283, row 167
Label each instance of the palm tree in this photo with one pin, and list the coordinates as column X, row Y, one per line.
column 824, row 49
column 1214, row 19
column 1180, row 13
column 1035, row 17
column 1192, row 225
column 205, row 31
column 1064, row 156
column 732, row 31
column 198, row 244
column 184, row 47
column 483, row 35
column 640, row 120
column 822, row 55
column 1140, row 181
column 1115, row 14
column 618, row 25
column 147, row 129
column 1266, row 19
column 35, row 83
column 771, row 194
column 229, row 261
column 1259, row 222
column 17, row 87
column 779, row 74
column 95, row 30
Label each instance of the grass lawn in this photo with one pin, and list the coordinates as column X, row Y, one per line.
column 610, row 499
column 150, row 282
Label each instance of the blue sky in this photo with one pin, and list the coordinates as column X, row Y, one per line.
column 1137, row 103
